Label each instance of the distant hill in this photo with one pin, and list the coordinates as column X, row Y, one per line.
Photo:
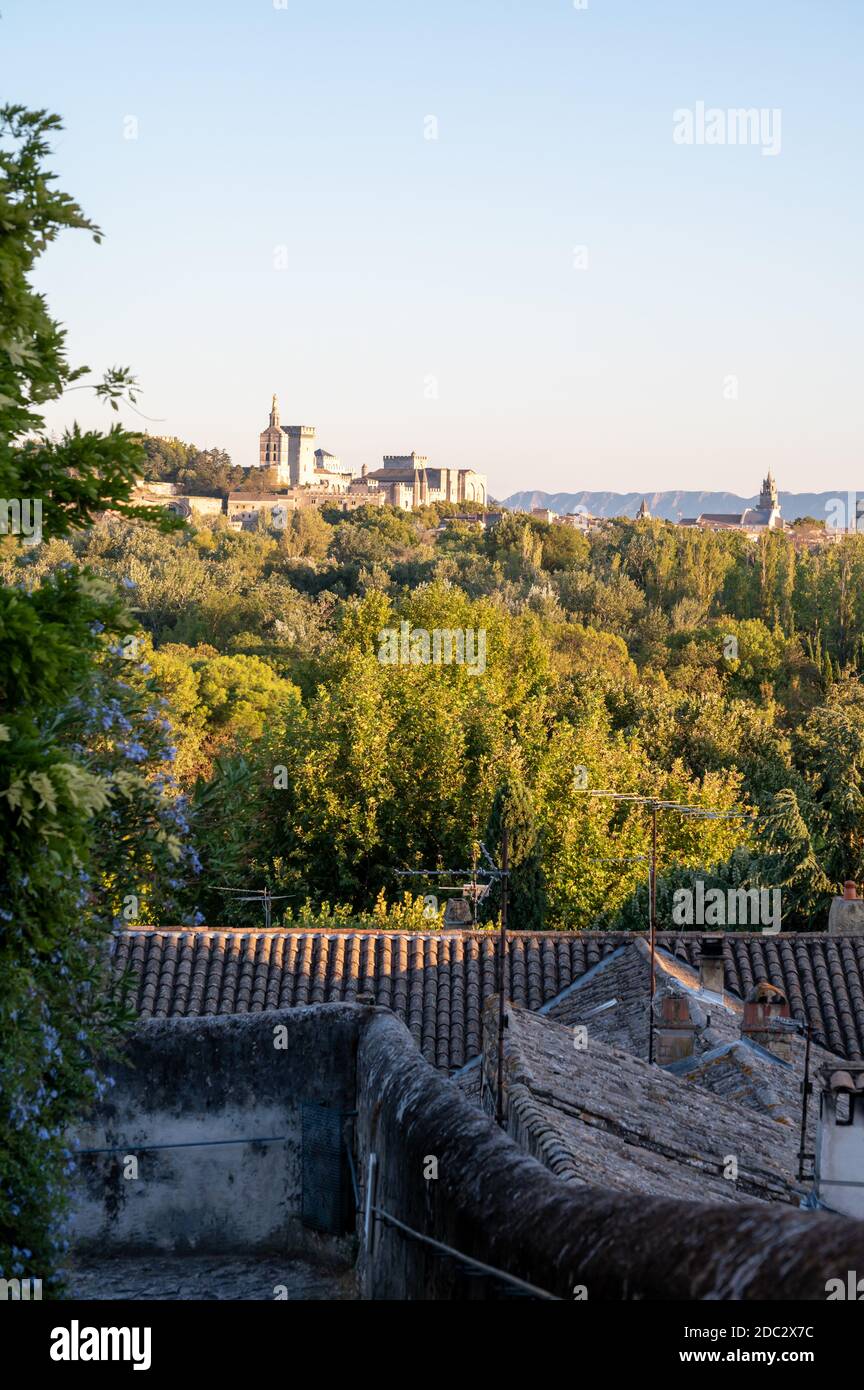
column 673, row 506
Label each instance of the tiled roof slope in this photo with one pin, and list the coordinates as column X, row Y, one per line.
column 603, row 1118
column 436, row 981
column 731, row 1066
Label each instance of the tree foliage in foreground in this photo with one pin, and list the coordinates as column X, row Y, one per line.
column 89, row 822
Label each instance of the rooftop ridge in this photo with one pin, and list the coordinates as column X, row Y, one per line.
column 491, row 933
column 436, row 981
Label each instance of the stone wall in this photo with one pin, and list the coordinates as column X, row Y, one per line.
column 501, row 1206
column 442, row 1167
column 196, row 1081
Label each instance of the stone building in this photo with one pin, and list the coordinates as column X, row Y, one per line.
column 580, row 1094
column 174, row 499
column 405, row 480
column 409, row 482
column 290, row 451
column 598, row 1116
column 603, row 1175
column 583, row 521
column 606, row 1179
column 755, row 521
column 436, row 981
column 247, row 511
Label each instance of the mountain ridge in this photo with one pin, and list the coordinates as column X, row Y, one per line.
column 674, row 505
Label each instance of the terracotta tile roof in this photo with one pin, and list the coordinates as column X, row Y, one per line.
column 437, row 981
column 822, row 977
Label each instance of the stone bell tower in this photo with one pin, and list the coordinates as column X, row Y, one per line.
column 768, row 498
column 289, row 449
column 272, row 451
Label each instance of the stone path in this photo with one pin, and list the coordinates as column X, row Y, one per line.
column 179, row 1277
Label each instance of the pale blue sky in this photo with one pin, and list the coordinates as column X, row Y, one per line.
column 297, row 134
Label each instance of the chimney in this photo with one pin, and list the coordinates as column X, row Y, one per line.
column 675, row 1030
column 840, row 1138
column 457, row 913
column 846, row 917
column 711, row 966
column 767, row 1020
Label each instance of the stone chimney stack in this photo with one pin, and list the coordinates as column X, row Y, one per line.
column 711, row 965
column 767, row 1020
column 675, row 1030
column 846, row 917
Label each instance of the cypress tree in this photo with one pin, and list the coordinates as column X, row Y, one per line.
column 512, row 807
column 827, row 672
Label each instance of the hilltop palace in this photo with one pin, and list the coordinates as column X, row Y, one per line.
column 405, row 480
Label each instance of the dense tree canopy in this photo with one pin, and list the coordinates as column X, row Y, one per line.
column 684, row 664
column 202, row 472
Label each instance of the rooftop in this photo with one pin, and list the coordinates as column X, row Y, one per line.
column 436, row 982
column 603, row 1118
column 723, row 1062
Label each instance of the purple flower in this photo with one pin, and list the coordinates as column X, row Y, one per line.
column 135, row 751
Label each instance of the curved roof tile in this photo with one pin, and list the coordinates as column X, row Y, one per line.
column 437, row 981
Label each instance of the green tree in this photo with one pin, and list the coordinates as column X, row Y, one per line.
column 829, row 749
column 512, row 812
column 785, row 858
column 564, row 549
column 201, row 472
column 59, row 785
column 307, row 534
column 240, row 693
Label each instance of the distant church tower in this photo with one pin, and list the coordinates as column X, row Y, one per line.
column 643, row 513
column 290, row 449
column 272, row 445
column 768, row 498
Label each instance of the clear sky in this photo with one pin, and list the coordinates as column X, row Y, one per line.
column 283, row 223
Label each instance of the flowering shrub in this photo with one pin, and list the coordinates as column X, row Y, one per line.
column 409, row 914
column 88, row 818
